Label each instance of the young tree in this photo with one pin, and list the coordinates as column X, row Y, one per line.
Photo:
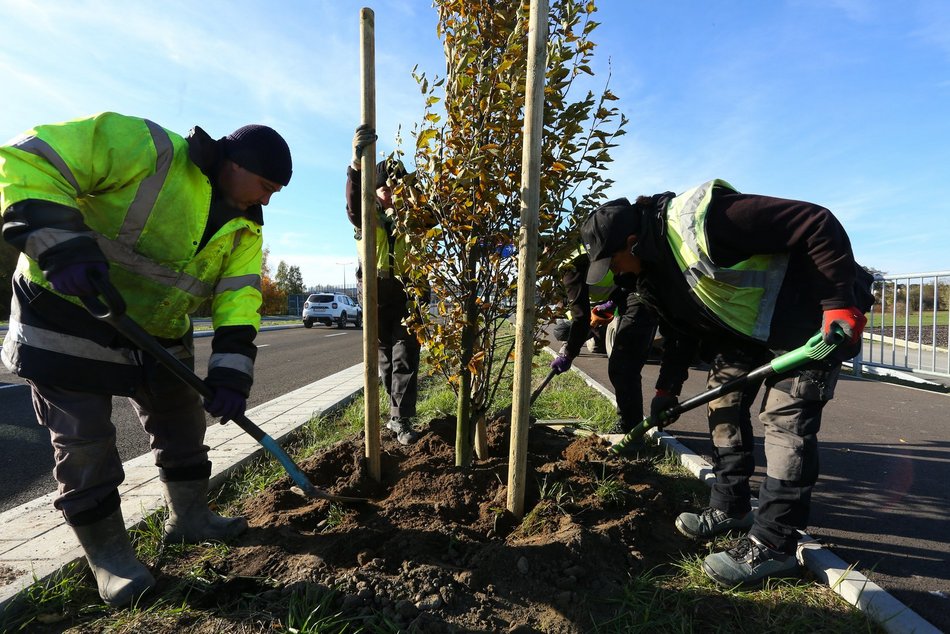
column 461, row 207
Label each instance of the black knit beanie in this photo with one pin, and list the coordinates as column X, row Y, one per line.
column 261, row 150
column 391, row 168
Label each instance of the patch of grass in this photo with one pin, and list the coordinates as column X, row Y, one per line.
column 888, row 319
column 568, row 396
column 685, row 600
column 62, row 597
column 335, row 516
column 543, row 516
column 610, row 490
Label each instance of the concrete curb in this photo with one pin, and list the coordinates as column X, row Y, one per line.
column 36, row 542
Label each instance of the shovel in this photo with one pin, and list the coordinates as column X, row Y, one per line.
column 814, row 349
column 540, row 388
column 113, row 313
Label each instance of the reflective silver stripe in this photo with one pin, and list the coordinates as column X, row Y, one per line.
column 147, row 193
column 232, row 361
column 746, row 278
column 42, row 239
column 67, row 344
column 146, row 267
column 686, row 225
column 39, row 147
column 237, row 283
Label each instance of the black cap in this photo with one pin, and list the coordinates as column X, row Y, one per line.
column 605, row 232
column 261, row 150
column 391, row 168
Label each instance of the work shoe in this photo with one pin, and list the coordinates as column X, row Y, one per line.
column 402, row 428
column 749, row 563
column 711, row 523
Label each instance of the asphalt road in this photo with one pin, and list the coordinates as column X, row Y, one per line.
column 287, row 358
column 882, row 502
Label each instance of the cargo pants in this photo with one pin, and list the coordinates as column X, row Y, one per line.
column 87, row 466
column 791, row 415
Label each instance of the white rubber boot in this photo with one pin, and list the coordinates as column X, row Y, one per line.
column 189, row 518
column 121, row 577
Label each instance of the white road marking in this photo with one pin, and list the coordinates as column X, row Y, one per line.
column 336, row 334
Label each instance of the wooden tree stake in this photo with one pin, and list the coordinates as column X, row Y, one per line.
column 528, row 254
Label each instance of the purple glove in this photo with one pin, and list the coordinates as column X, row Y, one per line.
column 73, row 279
column 606, row 307
column 227, row 404
column 561, row 364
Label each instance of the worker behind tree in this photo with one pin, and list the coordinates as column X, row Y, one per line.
column 750, row 277
column 398, row 348
column 171, row 222
column 633, row 336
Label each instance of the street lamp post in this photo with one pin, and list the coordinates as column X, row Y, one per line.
column 344, row 265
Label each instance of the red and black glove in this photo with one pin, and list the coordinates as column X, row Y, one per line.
column 850, row 321
column 663, row 401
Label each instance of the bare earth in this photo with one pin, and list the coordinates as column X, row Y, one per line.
column 436, row 551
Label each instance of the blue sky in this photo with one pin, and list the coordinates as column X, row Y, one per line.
column 845, row 103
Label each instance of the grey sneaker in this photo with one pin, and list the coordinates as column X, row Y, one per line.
column 749, row 563
column 402, row 428
column 712, row 522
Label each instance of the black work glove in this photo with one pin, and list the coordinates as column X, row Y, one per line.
column 75, row 279
column 226, row 404
column 663, row 401
column 365, row 135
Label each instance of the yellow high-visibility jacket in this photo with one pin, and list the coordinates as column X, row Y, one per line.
column 743, row 295
column 125, row 189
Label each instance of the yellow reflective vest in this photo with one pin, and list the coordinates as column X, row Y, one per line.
column 390, row 248
column 146, row 205
column 743, row 296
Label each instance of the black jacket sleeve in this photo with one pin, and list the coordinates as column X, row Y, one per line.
column 820, row 257
column 354, row 204
column 578, row 301
column 30, row 218
column 679, row 351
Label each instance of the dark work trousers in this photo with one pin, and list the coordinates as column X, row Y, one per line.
column 634, row 335
column 398, row 360
column 791, row 415
column 87, row 464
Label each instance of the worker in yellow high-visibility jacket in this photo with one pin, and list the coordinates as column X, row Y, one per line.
column 170, row 222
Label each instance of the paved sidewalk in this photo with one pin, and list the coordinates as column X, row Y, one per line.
column 36, row 542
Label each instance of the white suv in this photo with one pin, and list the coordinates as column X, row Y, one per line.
column 331, row 308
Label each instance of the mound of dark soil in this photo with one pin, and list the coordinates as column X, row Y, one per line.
column 435, row 549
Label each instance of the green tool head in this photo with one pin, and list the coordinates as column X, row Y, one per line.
column 814, row 350
column 633, row 441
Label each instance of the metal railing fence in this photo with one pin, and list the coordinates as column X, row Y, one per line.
column 909, row 325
